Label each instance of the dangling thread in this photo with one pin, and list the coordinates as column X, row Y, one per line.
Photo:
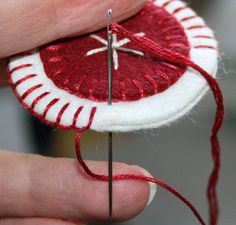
column 173, row 57
column 133, row 177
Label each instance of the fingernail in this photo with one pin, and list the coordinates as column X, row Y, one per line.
column 153, row 186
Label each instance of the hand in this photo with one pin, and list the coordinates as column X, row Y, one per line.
column 38, row 190
column 26, row 24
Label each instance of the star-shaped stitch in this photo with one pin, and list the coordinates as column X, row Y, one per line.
column 116, row 46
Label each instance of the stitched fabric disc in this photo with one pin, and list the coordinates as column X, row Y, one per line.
column 65, row 82
column 72, row 69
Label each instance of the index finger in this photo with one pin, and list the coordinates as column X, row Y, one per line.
column 25, row 24
column 34, row 186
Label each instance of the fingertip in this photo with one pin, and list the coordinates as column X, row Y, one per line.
column 152, row 186
column 59, row 188
column 130, row 196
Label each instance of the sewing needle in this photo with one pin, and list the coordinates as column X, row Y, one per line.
column 110, row 151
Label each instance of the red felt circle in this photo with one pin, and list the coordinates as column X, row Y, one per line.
column 67, row 65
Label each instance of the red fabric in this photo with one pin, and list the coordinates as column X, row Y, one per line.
column 66, row 63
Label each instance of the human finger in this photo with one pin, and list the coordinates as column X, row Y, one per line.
column 35, row 186
column 25, row 24
column 35, row 221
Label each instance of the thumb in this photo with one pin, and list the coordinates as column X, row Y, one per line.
column 59, row 188
column 25, row 24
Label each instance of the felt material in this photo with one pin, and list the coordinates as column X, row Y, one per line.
column 136, row 77
column 28, row 72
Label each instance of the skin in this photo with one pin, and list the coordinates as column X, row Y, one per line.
column 40, row 190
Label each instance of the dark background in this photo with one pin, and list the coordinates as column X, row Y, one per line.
column 179, row 154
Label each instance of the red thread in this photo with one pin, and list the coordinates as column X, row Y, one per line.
column 196, row 27
column 163, row 20
column 55, row 59
column 165, row 77
column 24, row 79
column 173, row 57
column 167, row 3
column 188, row 18
column 205, row 46
column 139, row 87
column 132, row 177
column 60, row 114
column 173, row 67
column 77, row 115
column 58, row 72
column 49, row 106
column 30, row 90
column 211, row 191
column 168, row 29
column 91, row 117
column 20, row 67
column 180, row 9
column 123, row 89
column 40, row 97
column 169, row 38
column 35, row 114
column 203, row 36
column 152, row 81
column 53, row 48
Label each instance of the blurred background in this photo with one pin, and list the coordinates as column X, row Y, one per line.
column 179, row 155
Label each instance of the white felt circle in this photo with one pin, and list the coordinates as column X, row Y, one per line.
column 151, row 112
